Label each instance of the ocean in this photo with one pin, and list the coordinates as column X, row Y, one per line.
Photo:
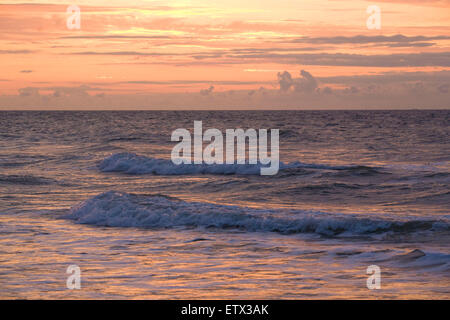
column 97, row 189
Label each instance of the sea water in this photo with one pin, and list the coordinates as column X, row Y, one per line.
column 98, row 190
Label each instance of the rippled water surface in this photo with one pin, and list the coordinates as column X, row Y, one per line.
column 97, row 189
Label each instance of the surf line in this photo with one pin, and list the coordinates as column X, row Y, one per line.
column 213, row 153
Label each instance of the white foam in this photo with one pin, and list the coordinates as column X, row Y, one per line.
column 116, row 209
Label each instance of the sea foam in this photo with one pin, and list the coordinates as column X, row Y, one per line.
column 117, row 209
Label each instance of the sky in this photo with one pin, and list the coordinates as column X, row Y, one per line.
column 227, row 54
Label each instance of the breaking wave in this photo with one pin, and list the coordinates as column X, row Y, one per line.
column 135, row 164
column 117, row 209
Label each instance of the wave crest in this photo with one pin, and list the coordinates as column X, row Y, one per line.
column 116, row 209
column 135, row 164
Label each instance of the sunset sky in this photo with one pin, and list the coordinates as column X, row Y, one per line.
column 307, row 54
